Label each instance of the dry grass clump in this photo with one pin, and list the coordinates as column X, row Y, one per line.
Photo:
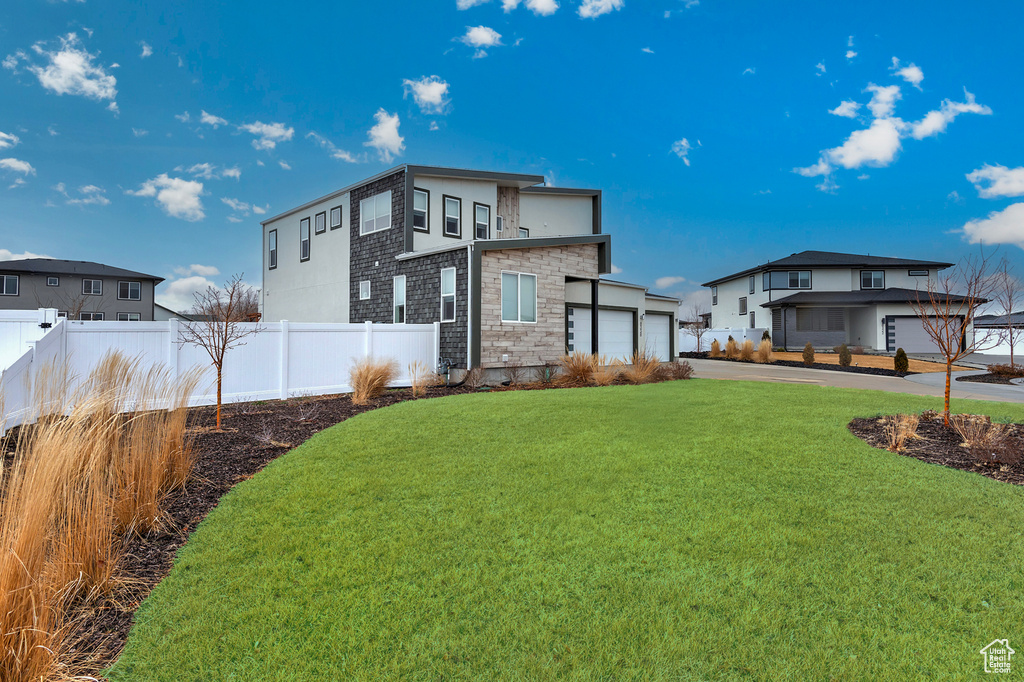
column 1006, row 370
column 642, row 368
column 678, row 370
column 747, row 351
column 732, row 350
column 370, row 377
column 764, row 352
column 474, row 378
column 716, row 349
column 605, row 372
column 578, row 368
column 421, row 377
column 989, row 444
column 898, row 430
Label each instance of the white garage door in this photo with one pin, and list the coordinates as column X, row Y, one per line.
column 616, row 336
column 657, row 328
column 911, row 336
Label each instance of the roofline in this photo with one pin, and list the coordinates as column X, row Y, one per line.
column 126, row 272
column 770, row 265
column 603, row 242
column 617, row 283
column 562, row 190
column 336, row 193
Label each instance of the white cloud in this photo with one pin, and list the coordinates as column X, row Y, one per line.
column 434, row 126
column 820, row 168
column 146, row 50
column 178, row 198
column 509, row 5
column 1000, row 227
column 184, row 117
column 849, row 41
column 542, row 8
column 8, row 140
column 955, row 197
column 820, row 68
column 877, row 145
column 234, row 219
column 466, row 4
column 429, row 92
column 336, row 153
column 384, row 136
column 69, row 70
column 90, row 195
column 260, row 210
column 179, row 294
column 647, row 50
column 236, row 205
column 883, row 99
column 910, row 73
column 850, row 54
column 5, row 254
column 139, row 132
column 284, row 165
column 591, row 9
column 197, row 269
column 936, row 121
column 847, row 108
column 997, row 181
column 681, row 148
column 208, row 171
column 210, row 119
column 616, row 270
column 235, row 173
column 481, row 37
column 749, row 70
column 666, row 282
column 17, row 166
column 53, row 131
column 268, row 134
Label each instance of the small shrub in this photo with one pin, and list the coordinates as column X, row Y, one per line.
column 513, row 372
column 474, row 378
column 766, row 336
column 764, row 351
column 901, row 363
column 845, row 358
column 808, row 354
column 605, row 373
column 643, row 368
column 898, row 430
column 989, row 444
column 1012, row 371
column 678, row 370
column 857, row 350
column 747, row 351
column 716, row 349
column 930, row 415
column 578, row 368
column 370, row 377
column 546, row 373
column 732, row 351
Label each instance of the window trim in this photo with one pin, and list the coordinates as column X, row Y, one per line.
column 341, row 217
column 90, row 292
column 522, row 230
column 917, row 273
column 129, row 297
column 128, row 316
column 453, row 295
column 519, row 297
column 499, row 223
column 476, row 223
column 391, row 213
column 872, row 272
column 304, row 224
column 751, row 287
column 56, row 281
column 743, row 305
column 394, row 299
column 714, row 295
column 272, row 250
column 318, row 227
column 17, row 285
column 789, row 278
column 426, row 217
column 368, row 290
column 444, row 227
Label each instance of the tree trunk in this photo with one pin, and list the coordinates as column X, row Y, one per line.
column 218, row 396
column 945, row 404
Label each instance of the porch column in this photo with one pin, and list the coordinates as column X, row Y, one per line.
column 593, row 315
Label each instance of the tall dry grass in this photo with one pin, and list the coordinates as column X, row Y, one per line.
column 642, row 368
column 747, row 351
column 605, row 372
column 764, row 352
column 421, row 377
column 732, row 350
column 899, row 429
column 370, row 377
column 716, row 349
column 578, row 368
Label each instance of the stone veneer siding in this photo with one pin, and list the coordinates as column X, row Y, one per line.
column 530, row 344
column 376, row 247
column 423, row 299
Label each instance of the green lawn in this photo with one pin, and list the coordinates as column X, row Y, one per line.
column 686, row 530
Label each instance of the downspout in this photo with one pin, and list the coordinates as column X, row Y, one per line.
column 469, row 306
column 594, row 284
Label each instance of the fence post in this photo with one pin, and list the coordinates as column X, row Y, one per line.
column 172, row 346
column 437, row 343
column 369, row 339
column 284, row 360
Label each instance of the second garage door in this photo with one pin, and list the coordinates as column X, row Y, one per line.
column 657, row 329
column 911, row 336
column 616, row 332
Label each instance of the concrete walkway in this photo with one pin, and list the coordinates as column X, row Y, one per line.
column 916, row 384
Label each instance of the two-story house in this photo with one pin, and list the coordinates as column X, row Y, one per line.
column 508, row 267
column 828, row 299
column 81, row 290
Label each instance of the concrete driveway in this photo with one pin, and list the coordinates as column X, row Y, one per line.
column 916, row 384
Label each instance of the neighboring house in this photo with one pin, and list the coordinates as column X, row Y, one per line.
column 828, row 299
column 81, row 290
column 507, row 266
column 162, row 314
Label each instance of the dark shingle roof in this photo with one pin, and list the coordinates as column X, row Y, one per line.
column 829, row 259
column 864, row 297
column 1016, row 319
column 54, row 266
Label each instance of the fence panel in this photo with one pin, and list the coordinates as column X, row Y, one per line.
column 19, row 329
column 688, row 343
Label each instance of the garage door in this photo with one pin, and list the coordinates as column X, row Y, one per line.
column 657, row 328
column 911, row 336
column 616, row 332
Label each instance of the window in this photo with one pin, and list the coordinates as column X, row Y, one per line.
column 518, row 297
column 53, row 281
column 420, row 210
column 92, row 287
column 336, row 217
column 375, row 213
column 523, row 233
column 364, row 290
column 448, row 295
column 129, row 291
column 499, row 223
column 320, row 223
column 793, row 279
column 766, row 281
column 714, row 295
column 304, row 239
column 91, row 316
column 9, row 284
column 452, row 217
column 800, row 279
column 751, row 284
column 752, row 325
column 917, row 273
column 483, row 221
column 399, row 298
column 743, row 305
column 272, row 246
column 820, row 320
column 62, row 313
column 872, row 279
column 129, row 317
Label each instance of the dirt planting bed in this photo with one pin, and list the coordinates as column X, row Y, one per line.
column 987, row 379
column 877, row 371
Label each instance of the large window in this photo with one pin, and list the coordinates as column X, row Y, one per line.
column 420, row 210
column 336, row 217
column 448, row 295
column 92, row 287
column 129, row 291
column 743, row 305
column 800, row 279
column 9, row 285
column 714, row 295
column 872, row 279
column 518, row 297
column 272, row 249
column 129, row 317
column 399, row 299
column 482, row 222
column 320, row 222
column 304, row 239
column 375, row 213
column 820, row 320
column 452, row 217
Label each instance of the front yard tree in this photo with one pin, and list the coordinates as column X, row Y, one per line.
column 947, row 306
column 694, row 325
column 220, row 322
column 1008, row 295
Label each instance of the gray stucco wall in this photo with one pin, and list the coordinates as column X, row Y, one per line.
column 33, row 293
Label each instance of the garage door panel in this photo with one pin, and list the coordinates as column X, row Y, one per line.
column 615, row 338
column 657, row 330
column 912, row 337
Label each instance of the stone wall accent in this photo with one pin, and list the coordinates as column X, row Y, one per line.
column 372, row 256
column 423, row 298
column 508, row 208
column 530, row 344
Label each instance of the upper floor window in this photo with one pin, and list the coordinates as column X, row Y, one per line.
column 336, row 217
column 272, row 249
column 523, row 233
column 917, row 273
column 872, row 279
column 766, row 281
column 800, row 279
column 399, row 299
column 375, row 213
column 714, row 295
column 92, row 287
column 420, row 210
column 499, row 223
column 751, row 284
column 483, row 221
column 53, row 281
column 448, row 295
column 129, row 317
column 452, row 217
column 129, row 291
column 9, row 285
column 320, row 224
column 304, row 239
column 743, row 305
column 518, row 297
column 91, row 316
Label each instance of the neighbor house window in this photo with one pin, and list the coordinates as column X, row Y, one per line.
column 420, row 210
column 766, row 281
column 518, row 297
column 320, row 223
column 483, row 221
column 714, row 295
column 129, row 317
column 375, row 213
column 53, row 281
column 448, row 295
column 129, row 291
column 91, row 316
column 272, row 246
column 800, row 279
column 304, row 239
column 62, row 313
column 399, row 299
column 751, row 284
column 743, row 305
column 336, row 217
column 364, row 290
column 452, row 217
column 9, row 285
column 92, row 287
column 499, row 223
column 523, row 233
column 872, row 279
column 752, row 325
column 918, row 273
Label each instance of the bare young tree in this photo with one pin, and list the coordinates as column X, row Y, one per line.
column 1008, row 294
column 218, row 320
column 946, row 314
column 694, row 322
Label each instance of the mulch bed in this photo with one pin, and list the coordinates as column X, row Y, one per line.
column 939, row 444
column 877, row 371
column 987, row 378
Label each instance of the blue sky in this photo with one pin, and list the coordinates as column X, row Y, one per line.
column 155, row 136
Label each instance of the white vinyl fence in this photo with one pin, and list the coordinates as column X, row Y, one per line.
column 282, row 360
column 19, row 329
column 688, row 342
